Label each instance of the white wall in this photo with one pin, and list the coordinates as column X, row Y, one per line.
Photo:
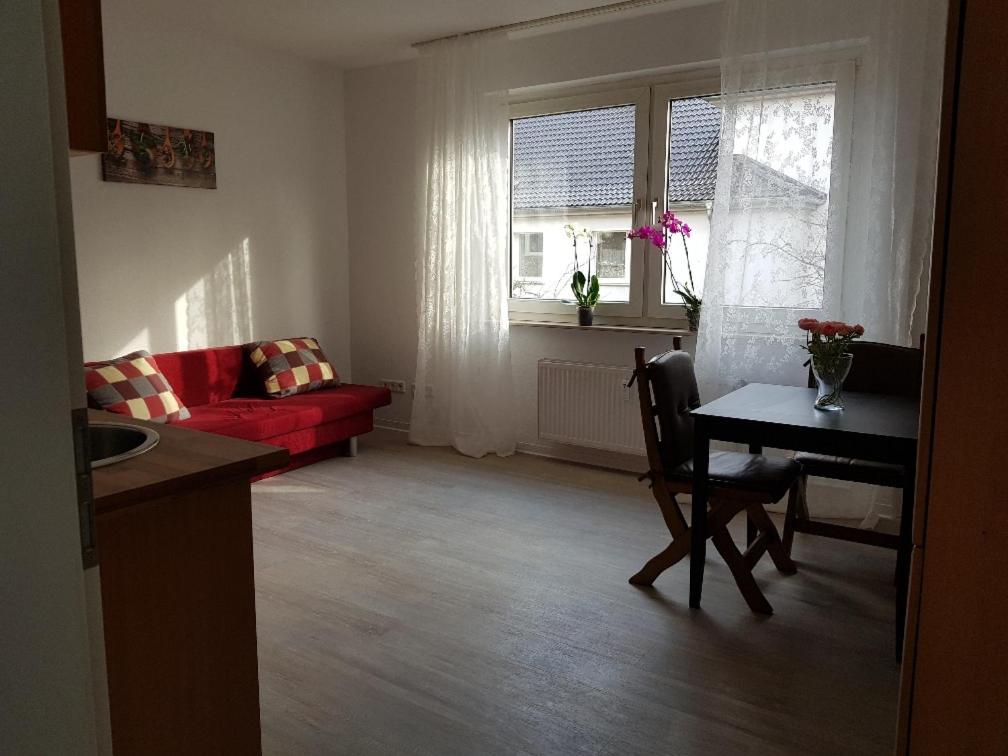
column 262, row 256
column 46, row 693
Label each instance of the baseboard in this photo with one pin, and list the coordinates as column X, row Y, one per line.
column 585, row 456
column 391, row 424
column 577, row 454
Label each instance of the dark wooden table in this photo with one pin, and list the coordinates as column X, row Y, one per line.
column 873, row 427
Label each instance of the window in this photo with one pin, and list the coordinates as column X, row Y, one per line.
column 782, row 169
column 613, row 250
column 528, row 254
column 605, row 163
column 573, row 180
column 690, row 170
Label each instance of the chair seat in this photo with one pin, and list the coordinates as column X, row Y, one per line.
column 846, row 468
column 753, row 473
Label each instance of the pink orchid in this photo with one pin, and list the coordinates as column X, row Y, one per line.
column 675, row 225
column 659, row 237
column 653, row 234
column 669, row 221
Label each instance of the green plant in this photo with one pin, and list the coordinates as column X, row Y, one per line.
column 586, row 297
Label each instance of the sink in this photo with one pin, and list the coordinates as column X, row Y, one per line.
column 113, row 442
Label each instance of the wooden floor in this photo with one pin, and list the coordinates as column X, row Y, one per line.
column 416, row 601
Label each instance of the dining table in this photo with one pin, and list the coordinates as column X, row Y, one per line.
column 871, row 427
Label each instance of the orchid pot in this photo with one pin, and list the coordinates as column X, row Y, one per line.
column 585, row 287
column 693, row 318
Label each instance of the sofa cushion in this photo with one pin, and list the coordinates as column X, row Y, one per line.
column 256, row 419
column 292, row 366
column 133, row 385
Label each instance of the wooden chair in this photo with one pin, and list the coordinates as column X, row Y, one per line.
column 876, row 369
column 667, row 389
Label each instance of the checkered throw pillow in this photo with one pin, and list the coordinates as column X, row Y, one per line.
column 132, row 385
column 291, row 366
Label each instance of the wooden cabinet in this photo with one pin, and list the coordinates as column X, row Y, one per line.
column 174, row 531
column 84, row 72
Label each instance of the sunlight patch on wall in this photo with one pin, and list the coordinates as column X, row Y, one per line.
column 138, row 342
column 217, row 309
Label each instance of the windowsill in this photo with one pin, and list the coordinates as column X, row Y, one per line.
column 658, row 330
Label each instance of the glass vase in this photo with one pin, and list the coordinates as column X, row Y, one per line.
column 830, row 375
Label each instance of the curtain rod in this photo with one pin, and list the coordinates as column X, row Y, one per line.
column 598, row 10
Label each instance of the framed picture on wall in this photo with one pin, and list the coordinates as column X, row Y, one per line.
column 144, row 153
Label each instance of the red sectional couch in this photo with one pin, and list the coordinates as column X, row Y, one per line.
column 224, row 395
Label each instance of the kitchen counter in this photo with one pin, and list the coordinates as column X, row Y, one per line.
column 182, row 460
column 174, row 545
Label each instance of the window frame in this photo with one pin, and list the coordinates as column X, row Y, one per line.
column 707, row 84
column 640, row 98
column 651, row 96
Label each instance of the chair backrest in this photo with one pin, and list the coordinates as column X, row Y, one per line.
column 668, row 391
column 883, row 369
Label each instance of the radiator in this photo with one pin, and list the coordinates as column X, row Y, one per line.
column 589, row 405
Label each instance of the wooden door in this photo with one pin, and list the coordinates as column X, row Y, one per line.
column 954, row 697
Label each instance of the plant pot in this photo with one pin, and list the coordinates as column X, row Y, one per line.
column 693, row 318
column 586, row 315
column 830, row 375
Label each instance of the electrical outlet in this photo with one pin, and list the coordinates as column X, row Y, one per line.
column 393, row 385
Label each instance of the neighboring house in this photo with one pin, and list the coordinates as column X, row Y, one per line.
column 577, row 168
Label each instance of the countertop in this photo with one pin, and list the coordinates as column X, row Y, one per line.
column 182, row 460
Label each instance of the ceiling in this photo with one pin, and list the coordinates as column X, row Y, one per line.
column 357, row 33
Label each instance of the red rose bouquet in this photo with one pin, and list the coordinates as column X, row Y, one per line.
column 828, row 342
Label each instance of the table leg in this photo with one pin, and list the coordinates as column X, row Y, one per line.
column 904, row 552
column 698, row 517
column 751, row 530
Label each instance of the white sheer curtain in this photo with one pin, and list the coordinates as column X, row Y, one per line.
column 463, row 379
column 825, row 189
column 825, row 186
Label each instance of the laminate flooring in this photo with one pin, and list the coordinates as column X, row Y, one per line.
column 414, row 601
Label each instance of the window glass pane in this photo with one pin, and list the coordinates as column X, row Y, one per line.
column 572, row 168
column 782, row 158
column 781, row 172
column 694, row 128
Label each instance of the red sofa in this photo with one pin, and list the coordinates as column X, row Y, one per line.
column 224, row 395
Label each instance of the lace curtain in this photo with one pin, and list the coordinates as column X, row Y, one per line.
column 463, row 379
column 824, row 201
column 825, row 184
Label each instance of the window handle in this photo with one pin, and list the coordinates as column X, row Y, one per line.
column 654, row 211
